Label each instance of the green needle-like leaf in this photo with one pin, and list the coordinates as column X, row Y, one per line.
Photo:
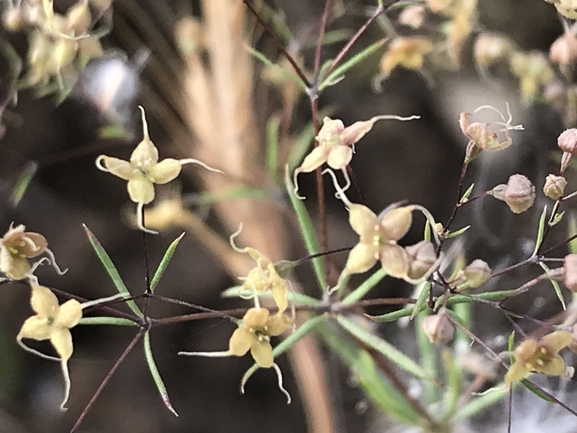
column 272, row 145
column 23, row 182
column 361, row 291
column 164, row 262
column 541, row 230
column 425, row 287
column 288, row 74
column 308, row 233
column 112, row 271
column 355, row 60
column 554, row 283
column 297, row 298
column 384, row 348
column 106, row 320
column 156, row 375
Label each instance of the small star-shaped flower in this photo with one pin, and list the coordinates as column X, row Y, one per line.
column 144, row 170
column 52, row 322
column 16, row 247
column 540, row 356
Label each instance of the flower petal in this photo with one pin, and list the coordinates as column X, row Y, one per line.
column 34, row 245
column 261, row 351
column 357, row 130
column 330, row 131
column 553, row 367
column 361, row 258
column 396, row 223
column 165, row 171
column 141, row 190
column 315, row 159
column 35, row 328
column 70, row 314
column 517, row 372
column 61, row 339
column 118, row 167
column 279, row 293
column 556, row 341
column 395, row 261
column 240, row 341
column 362, row 220
column 16, row 268
column 276, row 325
column 43, row 301
column 145, row 155
column 255, row 318
column 339, row 157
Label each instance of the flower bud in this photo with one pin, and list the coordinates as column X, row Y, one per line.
column 421, row 258
column 554, row 186
column 564, row 50
column 567, row 141
column 438, row 328
column 78, row 18
column 570, row 272
column 519, row 193
column 477, row 272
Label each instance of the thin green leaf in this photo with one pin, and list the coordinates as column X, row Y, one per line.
column 554, row 283
column 297, row 298
column 355, row 60
column 462, row 340
column 467, row 194
column 288, row 342
column 288, row 74
column 106, row 320
column 481, row 403
column 572, row 231
column 111, row 270
column 511, row 347
column 541, row 230
column 156, row 375
column 535, row 390
column 427, row 232
column 23, row 182
column 272, row 146
column 384, row 348
column 454, row 384
column 377, row 387
column 164, row 262
column 308, row 233
column 260, row 194
column 458, row 232
column 425, row 289
column 361, row 291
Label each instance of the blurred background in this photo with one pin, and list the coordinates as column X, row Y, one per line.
column 214, row 104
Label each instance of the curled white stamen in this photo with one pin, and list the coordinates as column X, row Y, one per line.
column 202, row 164
column 280, row 383
column 225, row 354
column 99, row 164
column 52, row 261
column 341, row 194
column 66, row 376
column 103, row 300
column 233, row 236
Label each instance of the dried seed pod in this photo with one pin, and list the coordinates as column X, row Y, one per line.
column 554, row 186
column 518, row 193
column 567, row 141
column 570, row 272
column 438, row 328
column 477, row 272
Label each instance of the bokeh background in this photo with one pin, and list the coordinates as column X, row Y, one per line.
column 416, row 161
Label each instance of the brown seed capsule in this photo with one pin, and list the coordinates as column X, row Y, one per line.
column 519, row 193
column 554, row 186
column 438, row 328
column 477, row 272
column 570, row 272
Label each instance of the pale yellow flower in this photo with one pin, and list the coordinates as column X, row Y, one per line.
column 408, row 52
column 336, row 145
column 52, row 322
column 144, row 170
column 540, row 356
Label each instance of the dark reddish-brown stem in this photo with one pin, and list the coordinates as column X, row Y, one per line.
column 122, row 357
column 147, row 290
column 279, row 43
column 379, row 10
column 457, row 206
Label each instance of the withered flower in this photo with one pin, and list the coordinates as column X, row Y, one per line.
column 408, row 52
column 554, row 186
column 438, row 328
column 263, row 277
column 540, row 356
column 144, row 170
column 16, row 247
